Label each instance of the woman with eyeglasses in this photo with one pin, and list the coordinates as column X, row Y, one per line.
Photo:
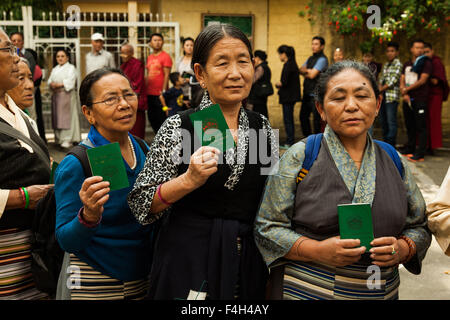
column 106, row 248
column 62, row 82
column 24, row 177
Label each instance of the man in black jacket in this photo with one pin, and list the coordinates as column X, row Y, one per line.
column 311, row 70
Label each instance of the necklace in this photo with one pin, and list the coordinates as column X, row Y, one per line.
column 132, row 151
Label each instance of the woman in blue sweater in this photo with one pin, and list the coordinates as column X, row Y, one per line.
column 108, row 253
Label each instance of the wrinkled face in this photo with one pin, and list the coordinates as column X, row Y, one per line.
column 428, row 52
column 228, row 72
column 17, row 40
column 316, row 46
column 23, row 94
column 391, row 53
column 97, row 45
column 188, row 47
column 61, row 58
column 112, row 119
column 338, row 56
column 9, row 70
column 349, row 105
column 417, row 49
column 156, row 43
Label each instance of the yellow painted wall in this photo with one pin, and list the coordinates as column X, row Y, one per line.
column 189, row 12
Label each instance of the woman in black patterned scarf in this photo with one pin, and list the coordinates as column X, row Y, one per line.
column 206, row 248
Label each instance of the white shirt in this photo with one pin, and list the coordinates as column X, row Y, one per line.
column 16, row 121
column 96, row 61
column 65, row 74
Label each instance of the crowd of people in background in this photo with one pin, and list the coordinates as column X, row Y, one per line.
column 214, row 228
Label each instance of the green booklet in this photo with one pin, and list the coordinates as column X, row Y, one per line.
column 106, row 161
column 212, row 129
column 52, row 173
column 355, row 222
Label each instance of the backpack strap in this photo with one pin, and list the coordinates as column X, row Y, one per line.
column 311, row 151
column 79, row 151
column 390, row 150
column 141, row 144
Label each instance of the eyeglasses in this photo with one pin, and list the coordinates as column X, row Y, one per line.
column 115, row 100
column 11, row 48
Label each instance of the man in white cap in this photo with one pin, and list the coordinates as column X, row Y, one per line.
column 98, row 57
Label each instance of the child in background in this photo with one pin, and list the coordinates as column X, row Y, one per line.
column 172, row 99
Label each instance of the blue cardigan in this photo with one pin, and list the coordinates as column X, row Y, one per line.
column 119, row 246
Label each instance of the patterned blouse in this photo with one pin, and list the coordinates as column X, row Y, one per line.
column 273, row 232
column 164, row 157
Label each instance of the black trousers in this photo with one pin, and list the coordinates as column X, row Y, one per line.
column 155, row 114
column 309, row 106
column 416, row 126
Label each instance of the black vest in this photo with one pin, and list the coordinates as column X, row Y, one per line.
column 213, row 199
column 310, row 84
column 317, row 197
column 21, row 168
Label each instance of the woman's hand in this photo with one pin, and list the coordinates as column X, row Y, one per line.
column 94, row 195
column 339, row 252
column 388, row 251
column 36, row 193
column 202, row 165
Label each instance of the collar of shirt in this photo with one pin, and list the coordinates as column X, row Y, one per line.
column 97, row 53
column 15, row 120
column 96, row 138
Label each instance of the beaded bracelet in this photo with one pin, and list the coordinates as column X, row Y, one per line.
column 23, row 197
column 158, row 191
column 412, row 248
column 27, row 197
column 84, row 222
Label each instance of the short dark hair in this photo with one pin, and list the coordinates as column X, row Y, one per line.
column 261, row 54
column 17, row 32
column 56, row 52
column 338, row 67
column 157, row 35
column 427, row 45
column 322, row 40
column 88, row 81
column 411, row 44
column 212, row 34
column 393, row 44
column 173, row 77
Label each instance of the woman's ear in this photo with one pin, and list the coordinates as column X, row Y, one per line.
column 88, row 114
column 200, row 74
column 379, row 100
column 319, row 108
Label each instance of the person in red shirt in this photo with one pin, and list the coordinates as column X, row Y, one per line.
column 134, row 70
column 158, row 67
column 438, row 93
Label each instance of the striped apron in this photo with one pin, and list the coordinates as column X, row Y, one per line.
column 313, row 281
column 79, row 281
column 16, row 279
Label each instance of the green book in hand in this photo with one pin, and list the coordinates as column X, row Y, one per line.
column 355, row 222
column 52, row 173
column 211, row 128
column 106, row 161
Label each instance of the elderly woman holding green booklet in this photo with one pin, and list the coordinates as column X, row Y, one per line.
column 205, row 248
column 108, row 253
column 303, row 228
